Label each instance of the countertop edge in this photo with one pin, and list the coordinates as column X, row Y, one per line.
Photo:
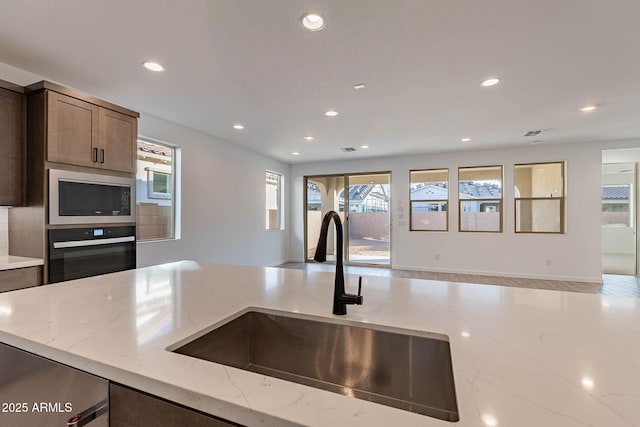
column 11, row 262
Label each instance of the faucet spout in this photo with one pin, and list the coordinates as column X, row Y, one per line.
column 340, row 297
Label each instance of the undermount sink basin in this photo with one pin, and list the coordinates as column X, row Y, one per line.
column 404, row 369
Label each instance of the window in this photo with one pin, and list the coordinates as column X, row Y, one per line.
column 158, row 184
column 273, row 201
column 155, row 191
column 429, row 200
column 615, row 205
column 539, row 197
column 480, row 199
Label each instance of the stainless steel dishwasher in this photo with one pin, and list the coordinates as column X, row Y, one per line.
column 37, row 392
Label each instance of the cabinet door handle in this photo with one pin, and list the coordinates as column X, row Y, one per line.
column 102, row 155
column 95, row 155
column 89, row 414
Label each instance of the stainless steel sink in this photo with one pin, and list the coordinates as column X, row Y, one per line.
column 404, row 369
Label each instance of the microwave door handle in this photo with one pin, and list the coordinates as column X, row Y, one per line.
column 96, row 242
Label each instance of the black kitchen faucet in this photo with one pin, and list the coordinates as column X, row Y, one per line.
column 340, row 297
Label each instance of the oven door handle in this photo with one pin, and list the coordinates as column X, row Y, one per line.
column 96, row 242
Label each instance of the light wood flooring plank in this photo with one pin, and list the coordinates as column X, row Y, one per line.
column 616, row 285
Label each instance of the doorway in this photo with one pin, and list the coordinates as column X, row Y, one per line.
column 619, row 218
column 363, row 204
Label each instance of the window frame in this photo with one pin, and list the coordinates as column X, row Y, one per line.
column 447, row 200
column 151, row 193
column 499, row 200
column 561, row 200
column 279, row 201
column 629, row 205
column 174, row 194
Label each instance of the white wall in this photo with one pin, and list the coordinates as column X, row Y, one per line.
column 575, row 255
column 223, row 196
column 223, row 201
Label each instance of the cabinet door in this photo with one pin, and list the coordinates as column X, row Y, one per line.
column 12, row 148
column 37, row 392
column 72, row 130
column 131, row 408
column 19, row 278
column 118, row 135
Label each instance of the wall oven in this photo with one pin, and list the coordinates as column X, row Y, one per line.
column 87, row 198
column 75, row 253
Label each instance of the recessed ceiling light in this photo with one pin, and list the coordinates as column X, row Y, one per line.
column 491, row 81
column 331, row 113
column 364, row 146
column 308, row 138
column 238, row 126
column 295, row 153
column 588, row 108
column 359, row 86
column 489, row 420
column 587, row 383
column 465, row 139
column 312, row 21
column 153, row 66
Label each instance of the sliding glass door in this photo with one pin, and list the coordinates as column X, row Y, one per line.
column 368, row 224
column 323, row 194
column 363, row 202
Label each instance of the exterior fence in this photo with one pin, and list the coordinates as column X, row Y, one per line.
column 362, row 225
column 153, row 221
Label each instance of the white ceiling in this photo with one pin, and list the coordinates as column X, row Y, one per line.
column 250, row 61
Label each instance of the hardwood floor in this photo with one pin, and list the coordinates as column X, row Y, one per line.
column 616, row 285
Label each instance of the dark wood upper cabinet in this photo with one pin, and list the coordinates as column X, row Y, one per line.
column 85, row 131
column 84, row 134
column 12, row 145
column 118, row 141
column 72, row 130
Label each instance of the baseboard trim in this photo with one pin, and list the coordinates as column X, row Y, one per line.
column 283, row 262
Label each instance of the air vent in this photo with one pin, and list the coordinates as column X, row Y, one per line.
column 537, row 132
column 533, row 133
column 347, row 149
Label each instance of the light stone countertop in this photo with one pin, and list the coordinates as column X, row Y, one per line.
column 521, row 357
column 8, row 262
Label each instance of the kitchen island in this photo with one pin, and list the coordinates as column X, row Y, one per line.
column 521, row 357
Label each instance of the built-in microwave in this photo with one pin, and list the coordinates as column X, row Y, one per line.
column 87, row 198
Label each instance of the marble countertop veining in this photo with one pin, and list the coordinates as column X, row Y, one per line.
column 521, row 357
column 8, row 262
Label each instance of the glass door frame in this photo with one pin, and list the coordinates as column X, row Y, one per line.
column 632, row 220
column 346, row 213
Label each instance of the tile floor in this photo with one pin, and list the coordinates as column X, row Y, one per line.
column 616, row 285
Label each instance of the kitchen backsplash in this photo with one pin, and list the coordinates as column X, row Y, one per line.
column 4, row 230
